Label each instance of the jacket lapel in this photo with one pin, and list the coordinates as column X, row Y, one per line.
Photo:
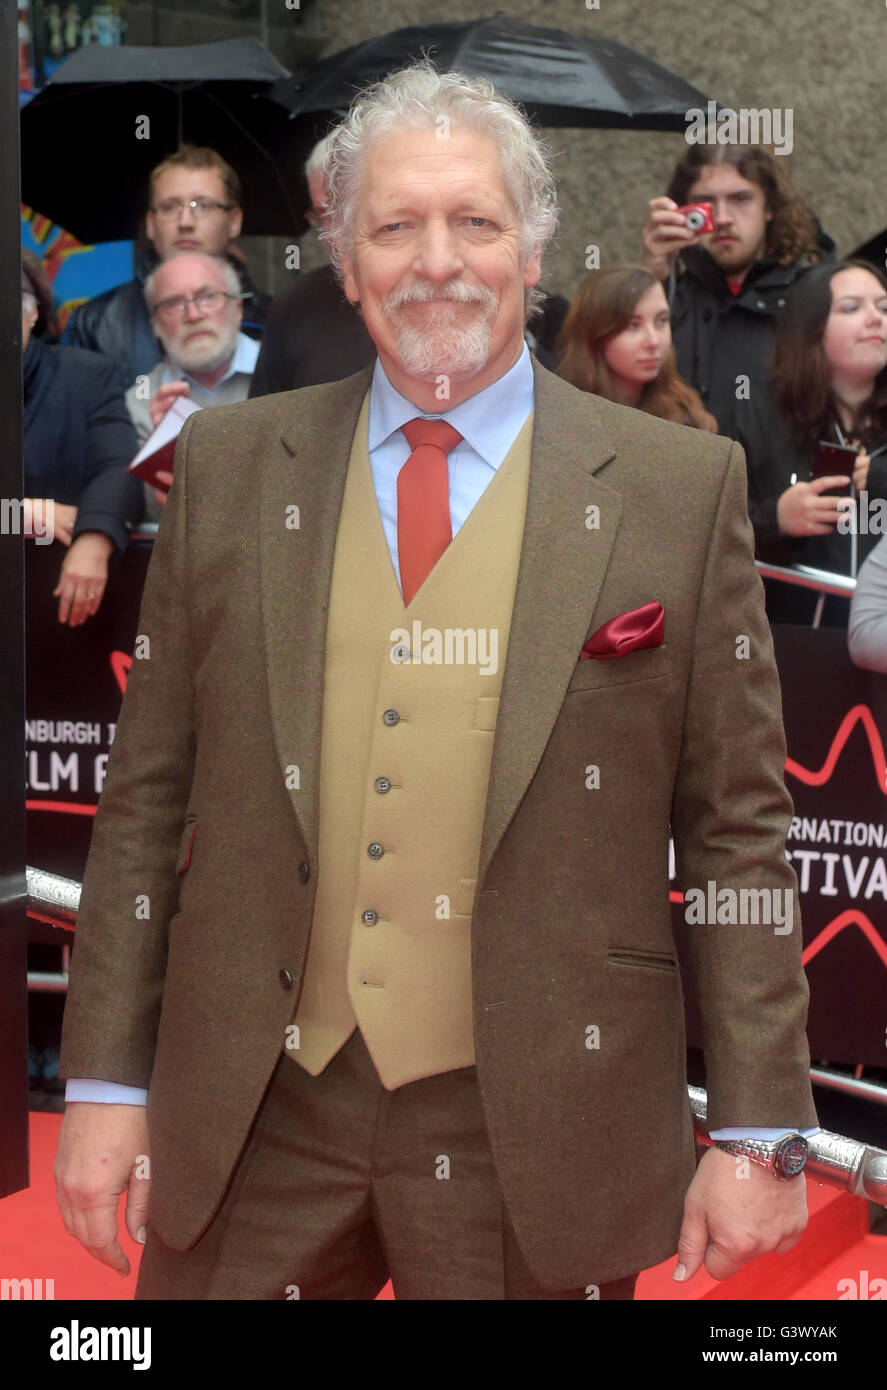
column 307, row 470
column 562, row 567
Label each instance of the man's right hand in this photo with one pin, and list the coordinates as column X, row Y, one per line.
column 101, row 1151
column 803, row 511
column 664, row 236
column 160, row 404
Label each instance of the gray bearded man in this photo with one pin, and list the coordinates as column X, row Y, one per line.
column 196, row 309
column 374, row 956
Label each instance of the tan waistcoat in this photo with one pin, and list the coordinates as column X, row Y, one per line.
column 405, row 763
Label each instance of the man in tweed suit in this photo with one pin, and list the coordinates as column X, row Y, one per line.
column 376, row 915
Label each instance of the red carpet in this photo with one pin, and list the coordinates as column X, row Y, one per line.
column 836, row 1246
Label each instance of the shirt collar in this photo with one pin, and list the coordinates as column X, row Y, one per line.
column 483, row 420
column 246, row 354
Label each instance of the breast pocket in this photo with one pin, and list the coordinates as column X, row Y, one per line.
column 186, row 845
column 594, row 673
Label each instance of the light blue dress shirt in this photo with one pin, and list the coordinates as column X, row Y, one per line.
column 243, row 363
column 489, row 423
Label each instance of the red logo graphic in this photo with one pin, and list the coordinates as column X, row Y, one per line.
column 858, row 714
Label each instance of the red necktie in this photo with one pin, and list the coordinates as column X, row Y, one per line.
column 424, row 529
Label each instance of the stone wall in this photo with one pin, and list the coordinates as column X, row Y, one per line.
column 824, row 59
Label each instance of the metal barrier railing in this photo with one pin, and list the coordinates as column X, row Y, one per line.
column 833, row 1159
column 822, row 582
column 846, row 1163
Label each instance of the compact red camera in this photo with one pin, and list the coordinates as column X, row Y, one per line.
column 698, row 217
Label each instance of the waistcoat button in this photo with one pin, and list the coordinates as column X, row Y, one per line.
column 400, row 653
column 370, row 917
column 286, row 979
column 382, row 784
column 375, row 850
column 304, row 871
column 391, row 717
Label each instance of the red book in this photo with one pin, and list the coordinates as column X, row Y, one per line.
column 158, row 451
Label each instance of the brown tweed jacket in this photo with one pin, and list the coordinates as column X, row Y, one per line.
column 593, row 1143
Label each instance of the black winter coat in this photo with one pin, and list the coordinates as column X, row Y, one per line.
column 719, row 336
column 774, row 461
column 78, row 439
column 117, row 323
column 313, row 335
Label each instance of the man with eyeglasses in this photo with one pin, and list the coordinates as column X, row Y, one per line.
column 194, row 205
column 196, row 309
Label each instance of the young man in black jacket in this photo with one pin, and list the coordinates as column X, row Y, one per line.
column 728, row 287
column 194, row 206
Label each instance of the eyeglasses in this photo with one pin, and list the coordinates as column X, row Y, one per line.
column 174, row 207
column 207, row 301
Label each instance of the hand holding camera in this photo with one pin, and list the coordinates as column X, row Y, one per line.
column 671, row 227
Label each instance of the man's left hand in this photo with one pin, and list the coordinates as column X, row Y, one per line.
column 83, row 578
column 734, row 1211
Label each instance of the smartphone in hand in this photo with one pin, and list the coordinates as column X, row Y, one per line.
column 831, row 459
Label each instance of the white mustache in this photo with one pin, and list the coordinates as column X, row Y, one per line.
column 421, row 293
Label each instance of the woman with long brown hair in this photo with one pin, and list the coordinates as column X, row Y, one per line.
column 829, row 385
column 616, row 342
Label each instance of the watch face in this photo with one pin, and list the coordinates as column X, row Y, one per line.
column 791, row 1156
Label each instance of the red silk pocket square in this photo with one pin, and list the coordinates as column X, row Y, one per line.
column 628, row 632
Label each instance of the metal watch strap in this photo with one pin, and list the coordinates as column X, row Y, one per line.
column 760, row 1151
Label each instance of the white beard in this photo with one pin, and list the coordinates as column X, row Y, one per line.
column 442, row 346
column 205, row 354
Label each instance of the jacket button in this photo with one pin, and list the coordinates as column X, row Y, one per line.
column 375, row 850
column 391, row 717
column 370, row 917
column 286, row 979
column 304, row 871
column 382, row 784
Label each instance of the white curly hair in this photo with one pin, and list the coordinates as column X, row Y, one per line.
column 418, row 96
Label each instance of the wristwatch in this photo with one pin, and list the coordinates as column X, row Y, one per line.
column 785, row 1157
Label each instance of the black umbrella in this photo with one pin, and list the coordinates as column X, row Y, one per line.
column 561, row 79
column 87, row 147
